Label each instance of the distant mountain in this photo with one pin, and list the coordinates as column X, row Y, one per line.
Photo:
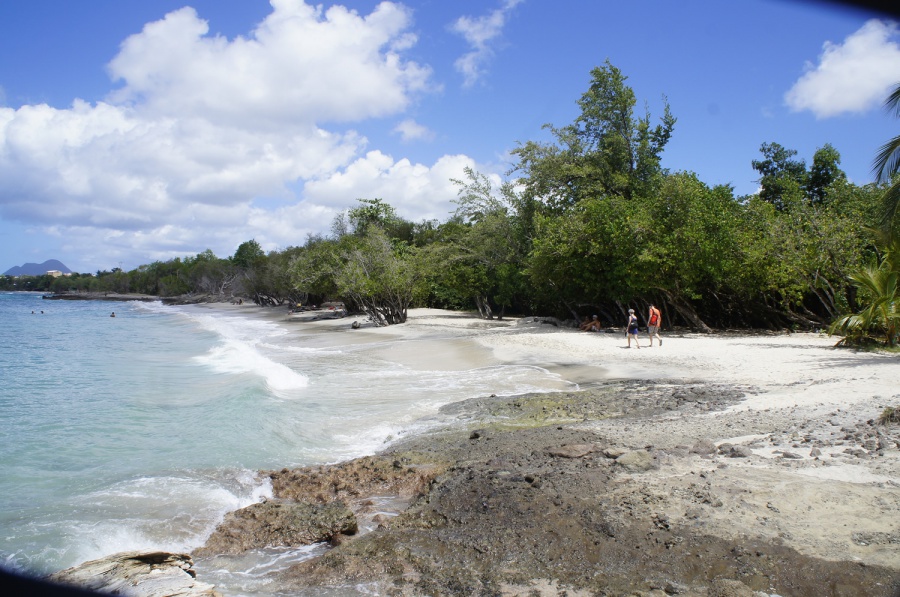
column 37, row 269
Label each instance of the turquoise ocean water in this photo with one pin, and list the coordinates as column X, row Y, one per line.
column 143, row 430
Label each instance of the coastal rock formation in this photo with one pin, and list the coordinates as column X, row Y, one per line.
column 321, row 503
column 354, row 480
column 138, row 574
column 530, row 509
column 279, row 524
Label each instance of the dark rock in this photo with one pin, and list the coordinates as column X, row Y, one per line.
column 572, row 451
column 279, row 524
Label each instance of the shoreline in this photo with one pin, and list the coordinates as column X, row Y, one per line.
column 758, row 442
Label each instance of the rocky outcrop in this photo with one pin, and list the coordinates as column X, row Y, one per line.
column 525, row 508
column 354, row 480
column 138, row 574
column 279, row 524
column 320, row 503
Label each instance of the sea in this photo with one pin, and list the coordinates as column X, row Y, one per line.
column 142, row 430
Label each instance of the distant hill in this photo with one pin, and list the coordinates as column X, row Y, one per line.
column 37, row 269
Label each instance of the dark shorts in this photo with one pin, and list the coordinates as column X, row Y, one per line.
column 633, row 330
column 653, row 329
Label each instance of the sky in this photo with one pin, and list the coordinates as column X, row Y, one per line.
column 133, row 132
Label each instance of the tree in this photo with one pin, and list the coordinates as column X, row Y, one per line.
column 482, row 255
column 248, row 255
column 692, row 252
column 781, row 176
column 371, row 212
column 887, row 166
column 824, row 172
column 315, row 267
column 606, row 151
column 381, row 277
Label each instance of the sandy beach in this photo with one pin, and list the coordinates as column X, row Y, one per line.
column 713, row 465
column 795, row 459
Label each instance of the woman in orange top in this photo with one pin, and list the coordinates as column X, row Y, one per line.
column 653, row 321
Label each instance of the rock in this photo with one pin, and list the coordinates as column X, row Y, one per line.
column 636, row 461
column 614, row 452
column 279, row 524
column 738, row 452
column 138, row 574
column 572, row 451
column 704, row 447
column 791, row 455
column 729, row 588
column 347, row 481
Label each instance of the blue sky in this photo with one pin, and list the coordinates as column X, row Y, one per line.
column 139, row 131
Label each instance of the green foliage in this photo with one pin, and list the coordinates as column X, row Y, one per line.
column 889, row 416
column 781, row 177
column 887, row 167
column 606, row 151
column 372, row 212
column 380, row 276
column 480, row 256
column 879, row 286
column 824, row 172
column 248, row 255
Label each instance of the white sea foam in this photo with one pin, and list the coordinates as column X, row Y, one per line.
column 169, row 513
column 239, row 351
column 237, row 357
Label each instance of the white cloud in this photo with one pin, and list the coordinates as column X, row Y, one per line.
column 410, row 130
column 851, row 77
column 301, row 64
column 201, row 126
column 479, row 32
column 416, row 191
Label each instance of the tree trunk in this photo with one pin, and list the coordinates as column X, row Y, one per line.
column 484, row 307
column 686, row 311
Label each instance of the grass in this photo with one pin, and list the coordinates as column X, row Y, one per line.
column 889, row 416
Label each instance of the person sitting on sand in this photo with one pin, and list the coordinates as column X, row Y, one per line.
column 632, row 329
column 590, row 325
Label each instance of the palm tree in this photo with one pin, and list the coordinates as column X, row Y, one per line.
column 887, row 165
column 880, row 287
column 879, row 284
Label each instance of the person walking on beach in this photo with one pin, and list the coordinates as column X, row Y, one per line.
column 632, row 329
column 653, row 320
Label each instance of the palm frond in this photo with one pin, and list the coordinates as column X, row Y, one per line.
column 892, row 103
column 887, row 160
column 890, row 205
